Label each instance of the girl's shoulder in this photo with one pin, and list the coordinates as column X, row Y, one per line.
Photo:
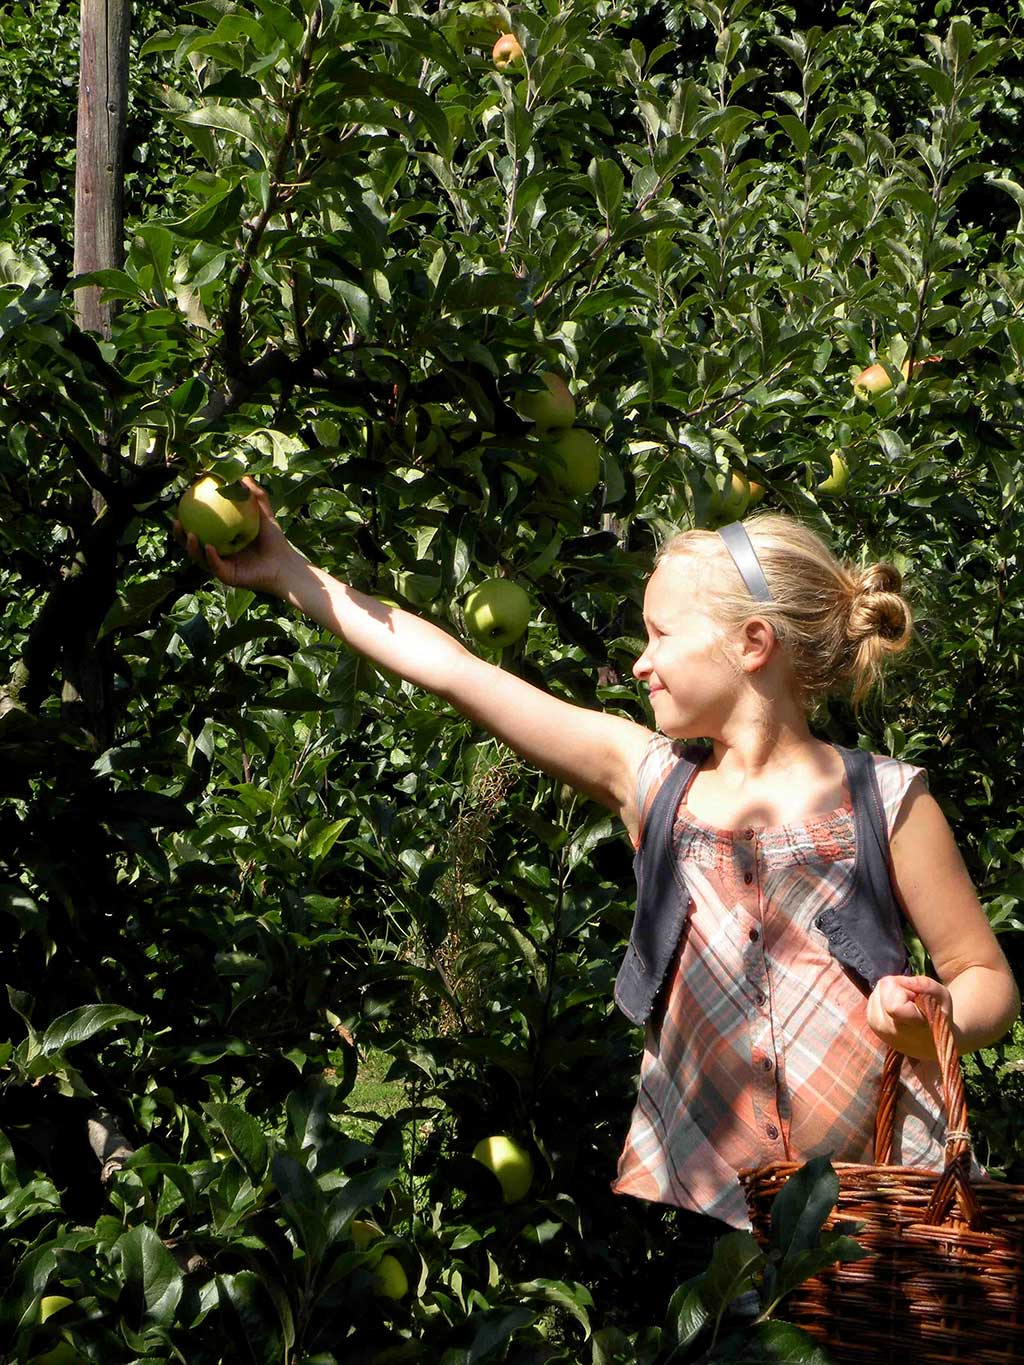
column 660, row 757
column 895, row 778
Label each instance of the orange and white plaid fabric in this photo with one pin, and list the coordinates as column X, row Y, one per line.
column 760, row 1049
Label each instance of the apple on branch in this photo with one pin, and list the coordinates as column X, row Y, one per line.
column 224, row 515
column 576, row 468
column 731, row 497
column 389, row 1279
column 497, row 613
column 551, row 406
column 507, row 53
column 875, row 379
column 510, row 1162
column 834, row 485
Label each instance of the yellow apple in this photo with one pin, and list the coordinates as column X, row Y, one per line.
column 497, row 613
column 576, row 468
column 509, row 1162
column 552, row 406
column 224, row 515
column 835, row 484
column 507, row 53
column 756, row 494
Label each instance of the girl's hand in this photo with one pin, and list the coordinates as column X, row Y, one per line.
column 894, row 1016
column 261, row 565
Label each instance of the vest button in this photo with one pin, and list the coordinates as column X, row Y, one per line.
column 748, row 834
column 754, row 935
column 767, row 1064
column 748, row 877
column 772, row 1131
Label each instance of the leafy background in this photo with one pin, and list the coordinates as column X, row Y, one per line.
column 297, row 931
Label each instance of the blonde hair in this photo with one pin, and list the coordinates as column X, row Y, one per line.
column 836, row 622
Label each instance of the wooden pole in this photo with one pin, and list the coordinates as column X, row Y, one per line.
column 99, row 169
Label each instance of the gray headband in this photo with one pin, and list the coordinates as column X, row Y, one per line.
column 744, row 556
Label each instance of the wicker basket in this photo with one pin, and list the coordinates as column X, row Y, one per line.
column 945, row 1281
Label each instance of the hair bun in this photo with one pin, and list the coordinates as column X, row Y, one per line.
column 878, row 608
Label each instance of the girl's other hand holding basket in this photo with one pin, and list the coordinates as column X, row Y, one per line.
column 893, row 1014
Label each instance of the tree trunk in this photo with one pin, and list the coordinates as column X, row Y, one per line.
column 99, row 229
column 99, row 171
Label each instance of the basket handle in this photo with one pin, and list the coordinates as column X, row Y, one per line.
column 954, row 1180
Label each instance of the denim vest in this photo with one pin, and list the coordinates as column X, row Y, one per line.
column 864, row 931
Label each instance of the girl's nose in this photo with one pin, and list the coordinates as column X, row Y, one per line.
column 641, row 668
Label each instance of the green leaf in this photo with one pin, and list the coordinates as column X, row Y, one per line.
column 607, row 180
column 226, row 119
column 735, row 1262
column 769, row 1343
column 78, row 1025
column 208, row 223
column 687, row 1313
column 358, row 1193
column 802, row 1265
column 574, row 1298
column 153, row 1282
column 243, row 1135
column 800, row 1208
column 250, row 1318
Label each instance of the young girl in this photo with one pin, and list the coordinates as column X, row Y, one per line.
column 762, row 1045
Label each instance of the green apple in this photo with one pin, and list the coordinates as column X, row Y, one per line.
column 835, row 484
column 756, row 494
column 224, row 515
column 507, row 52
column 577, row 464
column 734, row 497
column 509, row 1162
column 363, row 1233
column 389, row 1279
column 61, row 1354
column 552, row 406
column 52, row 1303
column 497, row 613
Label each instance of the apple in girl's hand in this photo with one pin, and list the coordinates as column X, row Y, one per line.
column 507, row 52
column 552, row 406
column 509, row 1162
column 224, row 515
column 577, row 466
column 497, row 613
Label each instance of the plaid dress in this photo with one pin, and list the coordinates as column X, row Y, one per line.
column 760, row 1049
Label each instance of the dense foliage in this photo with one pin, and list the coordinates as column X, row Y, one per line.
column 239, row 866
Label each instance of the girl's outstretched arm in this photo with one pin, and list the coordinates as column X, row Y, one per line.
column 594, row 752
column 975, row 985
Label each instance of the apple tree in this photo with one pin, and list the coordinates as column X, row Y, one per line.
column 287, row 939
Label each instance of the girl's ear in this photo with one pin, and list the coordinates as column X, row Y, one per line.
column 757, row 644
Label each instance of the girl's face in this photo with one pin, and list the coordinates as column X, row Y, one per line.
column 692, row 678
